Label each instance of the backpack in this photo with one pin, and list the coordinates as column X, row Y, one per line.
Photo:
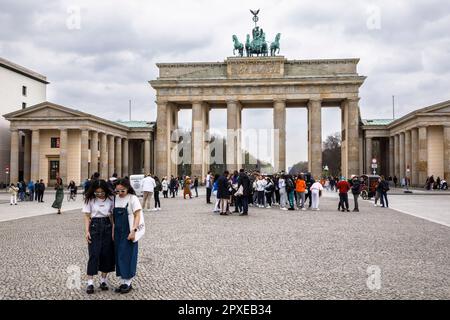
column 158, row 186
column 289, row 185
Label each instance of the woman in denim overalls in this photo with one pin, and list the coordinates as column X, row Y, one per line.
column 126, row 251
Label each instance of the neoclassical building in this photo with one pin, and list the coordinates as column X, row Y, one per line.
column 257, row 82
column 60, row 141
column 415, row 146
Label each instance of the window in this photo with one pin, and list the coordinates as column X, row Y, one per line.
column 54, row 169
column 24, row 91
column 89, row 144
column 54, row 143
column 24, row 105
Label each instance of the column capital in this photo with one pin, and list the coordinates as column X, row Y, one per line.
column 232, row 101
column 279, row 100
column 353, row 99
column 316, row 100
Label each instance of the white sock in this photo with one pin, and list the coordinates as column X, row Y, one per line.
column 103, row 280
column 127, row 281
column 90, row 282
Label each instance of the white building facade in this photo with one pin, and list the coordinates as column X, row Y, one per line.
column 19, row 88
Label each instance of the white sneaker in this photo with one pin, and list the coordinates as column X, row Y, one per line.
column 268, row 207
column 154, row 209
column 284, row 209
column 375, row 205
column 303, row 209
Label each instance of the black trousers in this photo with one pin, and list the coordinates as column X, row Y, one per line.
column 208, row 195
column 41, row 196
column 157, row 202
column 101, row 248
column 343, row 198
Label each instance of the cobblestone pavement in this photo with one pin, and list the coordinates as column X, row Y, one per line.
column 189, row 253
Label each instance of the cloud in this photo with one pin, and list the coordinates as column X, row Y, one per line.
column 404, row 48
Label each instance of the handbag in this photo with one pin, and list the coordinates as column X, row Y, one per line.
column 239, row 192
column 141, row 227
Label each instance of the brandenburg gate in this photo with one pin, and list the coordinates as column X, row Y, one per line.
column 261, row 82
column 256, row 81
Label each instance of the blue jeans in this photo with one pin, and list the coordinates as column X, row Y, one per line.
column 384, row 199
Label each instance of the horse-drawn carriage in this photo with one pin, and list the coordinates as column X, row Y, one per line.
column 369, row 186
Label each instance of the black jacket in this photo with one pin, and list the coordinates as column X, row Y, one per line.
column 244, row 181
column 223, row 187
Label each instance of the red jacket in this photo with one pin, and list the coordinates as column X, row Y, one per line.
column 343, row 186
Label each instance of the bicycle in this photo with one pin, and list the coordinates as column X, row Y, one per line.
column 72, row 195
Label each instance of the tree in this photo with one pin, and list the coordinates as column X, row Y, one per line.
column 300, row 167
column 331, row 154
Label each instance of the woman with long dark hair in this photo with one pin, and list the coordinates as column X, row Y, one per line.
column 126, row 204
column 59, row 196
column 98, row 208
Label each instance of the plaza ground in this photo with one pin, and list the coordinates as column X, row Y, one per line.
column 190, row 253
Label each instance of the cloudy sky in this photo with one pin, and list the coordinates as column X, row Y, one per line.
column 100, row 59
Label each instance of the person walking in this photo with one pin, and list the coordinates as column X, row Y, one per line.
column 223, row 193
column 98, row 221
column 196, row 186
column 127, row 208
column 208, row 185
column 395, row 180
column 300, row 189
column 245, row 184
column 13, row 191
column 22, row 190
column 316, row 193
column 356, row 191
column 165, row 187
column 384, row 191
column 59, row 196
column 148, row 185
column 157, row 190
column 343, row 186
column 309, row 182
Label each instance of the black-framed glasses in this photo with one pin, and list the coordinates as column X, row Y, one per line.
column 121, row 191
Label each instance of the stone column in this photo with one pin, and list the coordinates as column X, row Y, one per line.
column 369, row 156
column 408, row 155
column 131, row 148
column 423, row 155
column 163, row 139
column 414, row 157
column 279, row 125
column 125, row 158
column 232, row 134
column 111, row 155
column 391, row 157
column 350, row 159
column 35, row 154
column 396, row 155
column 402, row 156
column 447, row 153
column 198, row 138
column 63, row 145
column 103, row 156
column 14, row 160
column 84, row 172
column 27, row 157
column 147, row 156
column 94, row 152
column 206, row 142
column 118, row 156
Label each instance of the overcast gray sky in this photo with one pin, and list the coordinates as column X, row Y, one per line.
column 105, row 60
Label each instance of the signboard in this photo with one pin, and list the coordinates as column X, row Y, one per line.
column 374, row 166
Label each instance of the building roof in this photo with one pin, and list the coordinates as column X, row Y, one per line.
column 136, row 124
column 377, row 122
column 22, row 70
